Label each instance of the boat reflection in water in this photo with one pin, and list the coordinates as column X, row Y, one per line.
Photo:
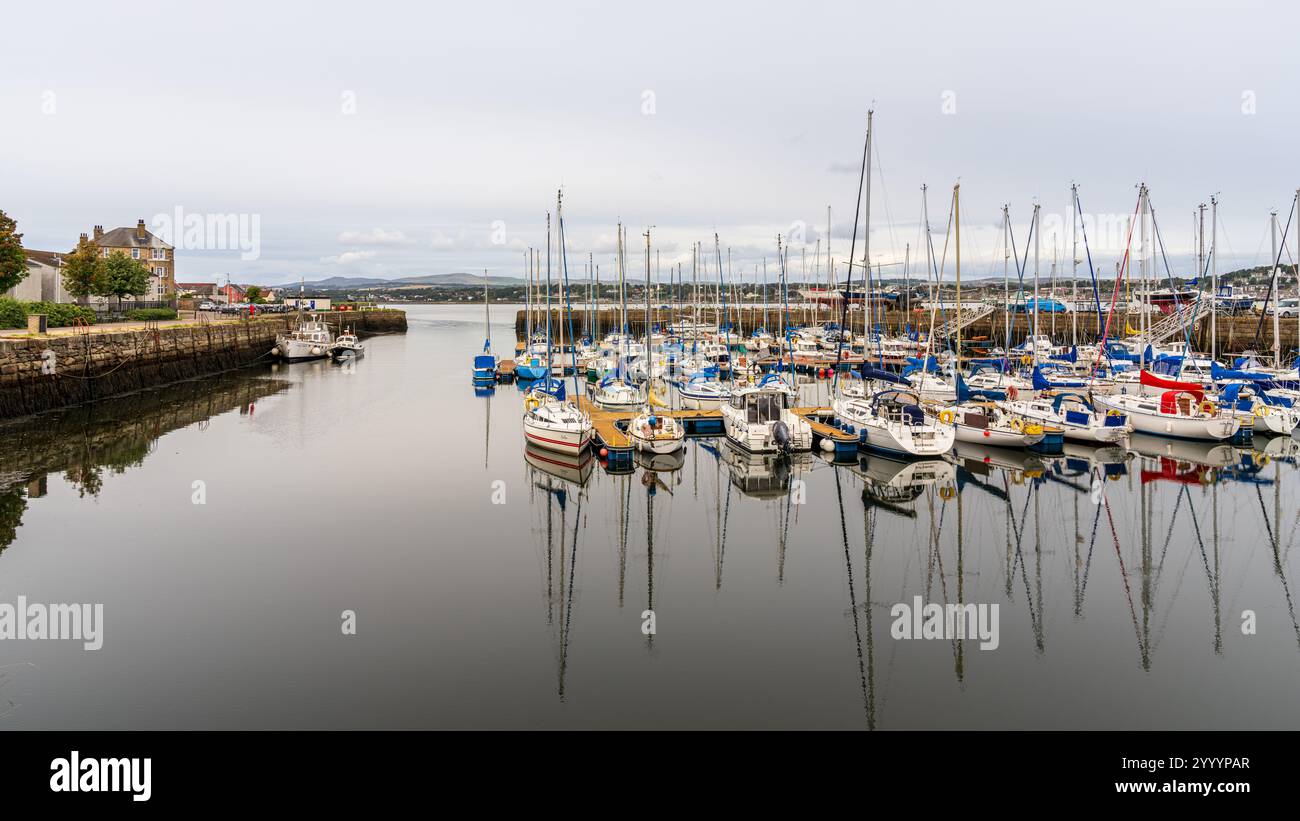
column 574, row 468
column 764, row 475
column 893, row 484
column 1205, row 454
column 661, row 462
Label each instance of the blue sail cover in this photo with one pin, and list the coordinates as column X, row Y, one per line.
column 915, row 364
column 1071, row 357
column 998, row 364
column 881, row 375
column 1041, row 383
column 552, row 386
column 965, row 394
column 1218, row 372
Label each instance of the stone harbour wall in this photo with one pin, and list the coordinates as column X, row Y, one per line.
column 42, row 373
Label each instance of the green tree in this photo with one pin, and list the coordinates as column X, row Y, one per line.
column 13, row 261
column 124, row 276
column 84, row 270
column 253, row 294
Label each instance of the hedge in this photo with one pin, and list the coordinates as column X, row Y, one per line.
column 13, row 314
column 143, row 314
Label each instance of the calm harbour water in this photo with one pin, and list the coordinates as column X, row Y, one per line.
column 1120, row 601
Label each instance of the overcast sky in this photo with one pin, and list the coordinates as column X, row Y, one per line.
column 386, row 139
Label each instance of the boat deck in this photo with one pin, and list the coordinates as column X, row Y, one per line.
column 843, row 443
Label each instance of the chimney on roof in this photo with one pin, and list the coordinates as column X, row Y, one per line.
column 99, row 231
column 85, row 238
column 139, row 229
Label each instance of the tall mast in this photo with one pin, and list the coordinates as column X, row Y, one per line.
column 1214, row 272
column 1145, row 298
column 548, row 297
column 956, row 217
column 1074, row 266
column 649, row 363
column 1277, row 295
column 1038, row 241
column 487, row 316
column 866, row 236
column 1006, row 272
column 830, row 264
column 1200, row 263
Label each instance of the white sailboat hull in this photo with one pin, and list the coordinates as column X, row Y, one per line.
column 559, row 439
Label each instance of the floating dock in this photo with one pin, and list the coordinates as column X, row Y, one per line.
column 610, row 429
column 821, row 420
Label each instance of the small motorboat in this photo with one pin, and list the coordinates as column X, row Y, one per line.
column 348, row 346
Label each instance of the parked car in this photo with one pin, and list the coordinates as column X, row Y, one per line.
column 207, row 306
column 1286, row 308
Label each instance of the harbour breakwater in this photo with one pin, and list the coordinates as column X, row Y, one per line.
column 1235, row 333
column 41, row 373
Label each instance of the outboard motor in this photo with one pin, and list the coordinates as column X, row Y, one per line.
column 781, row 435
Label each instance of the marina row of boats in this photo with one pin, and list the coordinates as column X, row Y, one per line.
column 913, row 394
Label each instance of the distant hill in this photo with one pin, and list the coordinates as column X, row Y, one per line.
column 430, row 280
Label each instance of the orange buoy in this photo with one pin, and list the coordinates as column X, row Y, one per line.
column 604, row 453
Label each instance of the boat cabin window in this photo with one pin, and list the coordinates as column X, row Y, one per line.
column 764, row 407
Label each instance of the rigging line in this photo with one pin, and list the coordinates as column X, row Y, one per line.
column 1169, row 275
column 1268, row 527
column 853, row 246
column 884, row 195
column 1205, row 559
column 1123, row 574
column 1087, row 564
column 1274, row 280
column 1173, row 518
column 1119, row 280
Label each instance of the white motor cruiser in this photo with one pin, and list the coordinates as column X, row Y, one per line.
column 758, row 418
column 312, row 339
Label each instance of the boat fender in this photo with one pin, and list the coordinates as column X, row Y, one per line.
column 1012, row 393
column 275, row 351
column 828, row 445
column 315, row 351
column 946, row 416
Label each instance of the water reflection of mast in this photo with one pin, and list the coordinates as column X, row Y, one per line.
column 566, row 626
column 1274, row 535
column 649, row 482
column 624, row 502
column 961, row 588
column 868, row 689
column 1035, row 618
